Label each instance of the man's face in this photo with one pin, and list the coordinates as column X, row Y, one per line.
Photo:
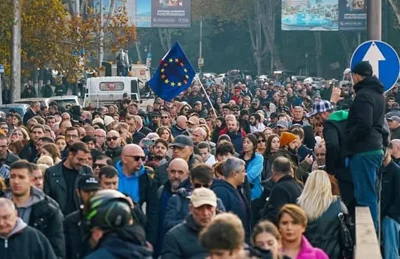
column 320, row 154
column 396, row 151
column 393, row 124
column 202, row 215
column 77, row 160
column 100, row 163
column 197, row 136
column 71, row 137
column 113, row 140
column 100, row 137
column 231, row 125
column 132, row 110
column 176, row 175
column 134, row 160
column 298, row 113
column 3, row 148
column 155, row 119
column 4, row 127
column 37, row 133
column 252, row 121
column 51, row 122
column 8, row 220
column 109, row 183
column 181, row 152
column 85, row 196
column 204, row 153
column 20, row 182
column 37, row 179
column 226, row 111
column 160, row 151
column 91, row 145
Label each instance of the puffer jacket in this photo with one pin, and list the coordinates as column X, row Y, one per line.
column 183, row 242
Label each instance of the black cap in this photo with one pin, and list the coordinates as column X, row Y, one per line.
column 155, row 114
column 182, row 141
column 363, row 68
column 89, row 183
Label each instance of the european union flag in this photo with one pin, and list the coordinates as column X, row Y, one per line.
column 174, row 75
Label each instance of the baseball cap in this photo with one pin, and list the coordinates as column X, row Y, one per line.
column 182, row 141
column 394, row 118
column 282, row 124
column 203, row 196
column 363, row 68
column 193, row 120
column 89, row 183
column 319, row 107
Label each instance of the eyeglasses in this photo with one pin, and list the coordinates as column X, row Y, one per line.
column 98, row 165
column 164, row 117
column 261, row 141
column 137, row 158
column 112, row 138
column 199, row 185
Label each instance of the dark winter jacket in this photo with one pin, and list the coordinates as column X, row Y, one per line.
column 28, row 115
column 285, row 191
column 55, row 185
column 390, row 194
column 29, row 152
column 395, row 134
column 183, row 242
column 44, row 214
column 25, row 242
column 11, row 158
column 324, row 232
column 137, row 137
column 236, row 138
column 178, row 206
column 76, row 236
column 301, row 169
column 176, row 131
column 234, row 201
column 114, row 154
column 366, row 117
column 125, row 243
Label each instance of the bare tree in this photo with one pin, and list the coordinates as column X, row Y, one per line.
column 165, row 38
column 396, row 9
column 318, row 51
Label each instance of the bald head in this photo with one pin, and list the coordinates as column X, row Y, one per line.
column 7, row 203
column 9, row 217
column 395, row 148
column 132, row 158
column 131, row 149
column 199, row 135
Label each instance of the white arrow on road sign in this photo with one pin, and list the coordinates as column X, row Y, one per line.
column 373, row 56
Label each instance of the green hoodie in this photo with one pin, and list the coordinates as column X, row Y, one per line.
column 339, row 115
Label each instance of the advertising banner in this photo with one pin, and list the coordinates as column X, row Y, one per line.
column 352, row 15
column 171, row 14
column 310, row 15
column 143, row 13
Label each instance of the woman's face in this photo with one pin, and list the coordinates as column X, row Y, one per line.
column 267, row 133
column 15, row 121
column 289, row 230
column 17, row 136
column 61, row 144
column 282, row 101
column 267, row 241
column 111, row 110
column 165, row 135
column 185, row 110
column 44, row 152
column 275, row 143
column 261, row 143
column 219, row 123
column 247, row 145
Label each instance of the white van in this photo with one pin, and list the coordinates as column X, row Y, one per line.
column 142, row 72
column 110, row 90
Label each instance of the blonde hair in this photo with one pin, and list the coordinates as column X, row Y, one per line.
column 317, row 195
column 46, row 160
column 42, row 167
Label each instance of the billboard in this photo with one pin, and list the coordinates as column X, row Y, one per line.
column 323, row 15
column 352, row 15
column 150, row 13
column 171, row 13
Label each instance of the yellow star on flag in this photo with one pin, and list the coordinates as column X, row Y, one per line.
column 166, row 81
column 179, row 84
column 172, row 84
column 171, row 60
column 187, row 76
column 185, row 70
column 162, row 70
column 177, row 60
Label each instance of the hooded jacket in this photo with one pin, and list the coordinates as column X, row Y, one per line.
column 43, row 213
column 114, row 154
column 126, row 243
column 142, row 189
column 366, row 118
column 25, row 242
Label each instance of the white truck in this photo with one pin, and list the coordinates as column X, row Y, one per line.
column 109, row 90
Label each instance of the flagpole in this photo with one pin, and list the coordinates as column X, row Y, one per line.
column 208, row 97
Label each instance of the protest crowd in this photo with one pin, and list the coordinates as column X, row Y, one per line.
column 260, row 169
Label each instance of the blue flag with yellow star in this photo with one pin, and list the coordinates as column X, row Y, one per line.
column 174, row 75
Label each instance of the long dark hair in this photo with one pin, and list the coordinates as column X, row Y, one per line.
column 253, row 140
column 267, row 153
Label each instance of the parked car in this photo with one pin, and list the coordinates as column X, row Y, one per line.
column 20, row 108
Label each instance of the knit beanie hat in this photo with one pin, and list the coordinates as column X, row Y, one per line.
column 286, row 138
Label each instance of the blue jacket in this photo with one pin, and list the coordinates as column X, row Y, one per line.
column 237, row 140
column 129, row 184
column 176, row 131
column 254, row 168
column 178, row 208
column 235, row 202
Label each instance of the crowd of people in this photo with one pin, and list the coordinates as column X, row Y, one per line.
column 267, row 170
